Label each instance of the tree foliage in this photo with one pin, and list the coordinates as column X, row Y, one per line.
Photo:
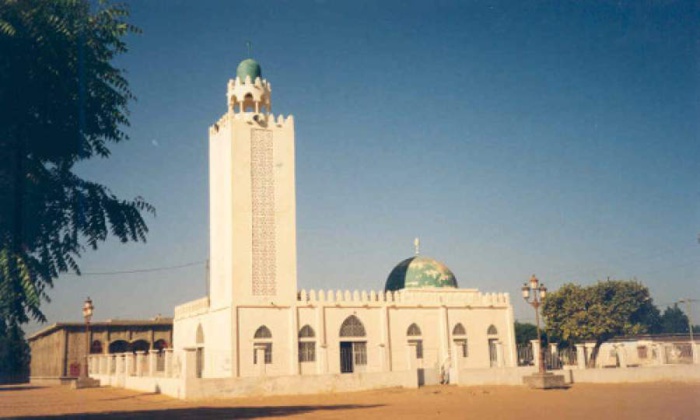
column 600, row 312
column 674, row 320
column 14, row 354
column 62, row 102
column 526, row 332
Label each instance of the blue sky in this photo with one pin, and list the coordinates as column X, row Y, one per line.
column 556, row 138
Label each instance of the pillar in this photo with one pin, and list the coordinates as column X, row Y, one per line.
column 444, row 336
column 536, row 352
column 322, row 347
column 128, row 364
column 660, row 354
column 168, row 363
column 139, row 362
column 621, row 355
column 384, row 322
column 581, row 356
column 294, row 336
column 119, row 366
column 152, row 362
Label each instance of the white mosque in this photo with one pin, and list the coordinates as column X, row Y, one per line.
column 256, row 332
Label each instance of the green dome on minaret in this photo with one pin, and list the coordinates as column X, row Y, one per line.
column 249, row 67
column 420, row 272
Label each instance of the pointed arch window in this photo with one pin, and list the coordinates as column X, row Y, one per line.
column 459, row 335
column 413, row 330
column 262, row 339
column 492, row 330
column 414, row 339
column 307, row 344
column 352, row 327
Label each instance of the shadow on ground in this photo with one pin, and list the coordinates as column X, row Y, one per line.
column 18, row 387
column 211, row 412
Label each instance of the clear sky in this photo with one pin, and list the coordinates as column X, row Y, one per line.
column 557, row 138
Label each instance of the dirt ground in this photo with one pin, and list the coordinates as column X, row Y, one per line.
column 664, row 400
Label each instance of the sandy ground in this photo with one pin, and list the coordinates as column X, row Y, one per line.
column 593, row 402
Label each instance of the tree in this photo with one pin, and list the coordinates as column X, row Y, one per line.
column 62, row 102
column 14, row 354
column 526, row 332
column 674, row 320
column 600, row 312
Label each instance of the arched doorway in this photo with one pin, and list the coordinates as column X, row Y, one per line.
column 353, row 345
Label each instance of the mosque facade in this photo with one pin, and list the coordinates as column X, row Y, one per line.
column 255, row 321
column 255, row 324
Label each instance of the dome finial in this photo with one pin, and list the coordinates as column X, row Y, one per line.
column 416, row 244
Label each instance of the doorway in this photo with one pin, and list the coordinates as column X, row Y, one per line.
column 493, row 354
column 346, row 364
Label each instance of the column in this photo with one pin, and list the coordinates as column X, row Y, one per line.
column 384, row 322
column 444, row 336
column 322, row 359
column 128, row 364
column 293, row 337
column 139, row 362
column 536, row 352
column 119, row 365
column 621, row 355
column 660, row 354
column 168, row 363
column 152, row 362
column 581, row 356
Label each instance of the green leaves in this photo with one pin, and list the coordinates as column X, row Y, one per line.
column 63, row 101
column 599, row 312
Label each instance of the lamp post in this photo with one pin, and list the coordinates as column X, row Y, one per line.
column 534, row 293
column 87, row 314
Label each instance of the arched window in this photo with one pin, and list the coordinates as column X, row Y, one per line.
column 119, row 346
column 140, row 345
column 413, row 330
column 352, row 327
column 459, row 335
column 307, row 344
column 492, row 330
column 262, row 332
column 415, row 333
column 263, row 340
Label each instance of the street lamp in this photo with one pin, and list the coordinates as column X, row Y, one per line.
column 534, row 294
column 87, row 314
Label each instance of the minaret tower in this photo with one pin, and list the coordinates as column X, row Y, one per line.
column 252, row 204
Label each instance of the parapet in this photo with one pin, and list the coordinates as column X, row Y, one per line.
column 409, row 297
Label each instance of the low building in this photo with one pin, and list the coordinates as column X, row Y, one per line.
column 58, row 351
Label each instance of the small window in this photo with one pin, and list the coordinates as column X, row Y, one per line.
column 642, row 352
column 462, row 347
column 360, row 352
column 268, row 353
column 307, row 351
column 492, row 330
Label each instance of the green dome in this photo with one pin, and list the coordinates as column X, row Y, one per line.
column 249, row 67
column 417, row 272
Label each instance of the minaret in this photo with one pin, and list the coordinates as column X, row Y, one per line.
column 252, row 204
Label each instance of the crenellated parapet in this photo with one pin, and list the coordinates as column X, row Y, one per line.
column 262, row 120
column 409, row 297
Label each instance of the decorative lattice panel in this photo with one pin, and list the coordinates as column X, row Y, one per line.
column 263, row 197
